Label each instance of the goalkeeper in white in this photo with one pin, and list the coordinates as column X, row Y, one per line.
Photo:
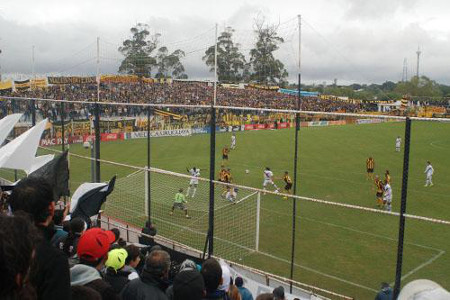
column 387, row 199
column 429, row 173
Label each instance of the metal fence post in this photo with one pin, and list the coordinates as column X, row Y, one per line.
column 401, row 229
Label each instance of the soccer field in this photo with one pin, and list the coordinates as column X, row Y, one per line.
column 343, row 250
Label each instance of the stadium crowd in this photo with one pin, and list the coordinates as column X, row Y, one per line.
column 178, row 92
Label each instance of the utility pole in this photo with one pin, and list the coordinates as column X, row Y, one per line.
column 32, row 67
column 418, row 52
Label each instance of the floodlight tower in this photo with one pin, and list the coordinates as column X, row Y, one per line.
column 418, row 52
column 405, row 70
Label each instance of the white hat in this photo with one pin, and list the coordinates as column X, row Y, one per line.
column 423, row 289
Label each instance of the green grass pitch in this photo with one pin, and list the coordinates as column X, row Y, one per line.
column 346, row 251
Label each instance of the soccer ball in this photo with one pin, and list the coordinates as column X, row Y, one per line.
column 277, row 191
column 247, row 171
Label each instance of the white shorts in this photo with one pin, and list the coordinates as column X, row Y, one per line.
column 267, row 181
column 193, row 182
column 388, row 200
column 233, row 144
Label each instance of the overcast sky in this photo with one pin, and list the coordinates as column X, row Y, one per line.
column 351, row 40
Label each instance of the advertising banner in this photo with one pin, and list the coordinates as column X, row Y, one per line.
column 72, row 80
column 58, row 141
column 161, row 133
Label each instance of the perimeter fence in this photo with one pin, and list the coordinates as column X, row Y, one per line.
column 328, row 230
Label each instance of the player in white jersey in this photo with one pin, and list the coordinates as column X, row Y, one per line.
column 429, row 173
column 387, row 198
column 193, row 183
column 233, row 141
column 231, row 194
column 268, row 179
column 398, row 143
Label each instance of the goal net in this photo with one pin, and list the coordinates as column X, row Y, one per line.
column 236, row 222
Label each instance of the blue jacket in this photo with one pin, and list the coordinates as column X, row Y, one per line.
column 385, row 294
column 245, row 293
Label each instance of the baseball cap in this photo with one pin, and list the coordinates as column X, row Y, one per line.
column 423, row 289
column 116, row 258
column 188, row 285
column 94, row 244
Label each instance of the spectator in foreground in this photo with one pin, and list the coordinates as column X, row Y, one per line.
column 188, row 285
column 245, row 293
column 84, row 293
column 278, row 293
column 115, row 275
column 70, row 243
column 233, row 293
column 265, row 296
column 60, row 233
column 186, row 265
column 385, row 293
column 17, row 236
column 132, row 261
column 92, row 251
column 423, row 289
column 153, row 281
column 50, row 271
column 212, row 275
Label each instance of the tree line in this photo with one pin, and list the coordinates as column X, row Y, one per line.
column 145, row 57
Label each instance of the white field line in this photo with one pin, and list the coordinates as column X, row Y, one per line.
column 320, row 273
column 356, row 230
column 433, row 144
column 440, row 252
column 422, row 265
column 134, row 173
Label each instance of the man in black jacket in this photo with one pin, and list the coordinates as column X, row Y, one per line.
column 212, row 275
column 153, row 281
column 50, row 272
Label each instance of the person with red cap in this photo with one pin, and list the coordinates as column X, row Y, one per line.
column 92, row 252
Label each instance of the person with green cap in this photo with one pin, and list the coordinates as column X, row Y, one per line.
column 115, row 275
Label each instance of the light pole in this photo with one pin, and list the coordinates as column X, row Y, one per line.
column 86, row 145
column 0, row 66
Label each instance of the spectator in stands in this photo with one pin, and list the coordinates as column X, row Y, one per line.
column 50, row 271
column 60, row 233
column 233, row 293
column 265, row 296
column 70, row 243
column 132, row 261
column 187, row 265
column 226, row 276
column 119, row 242
column 80, row 292
column 278, row 293
column 212, row 275
column 153, row 281
column 92, row 251
column 149, row 230
column 18, row 238
column 245, row 293
column 115, row 274
column 188, row 285
column 385, row 293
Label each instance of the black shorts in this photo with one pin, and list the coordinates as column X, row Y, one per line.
column 379, row 194
column 288, row 186
column 369, row 170
column 225, row 157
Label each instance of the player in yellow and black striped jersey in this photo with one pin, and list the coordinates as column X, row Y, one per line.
column 288, row 186
column 226, row 179
column 370, row 166
column 387, row 178
column 379, row 189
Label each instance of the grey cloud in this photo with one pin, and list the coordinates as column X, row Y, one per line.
column 364, row 10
